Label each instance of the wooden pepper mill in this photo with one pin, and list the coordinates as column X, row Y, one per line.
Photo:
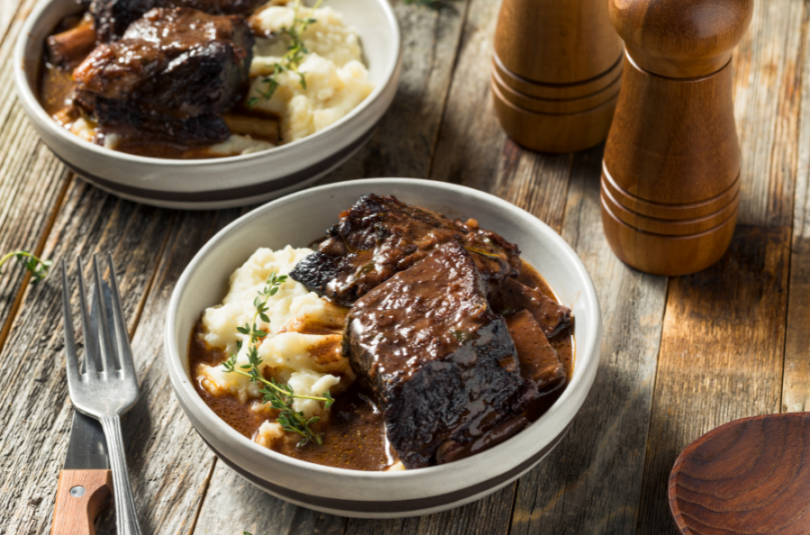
column 556, row 73
column 671, row 170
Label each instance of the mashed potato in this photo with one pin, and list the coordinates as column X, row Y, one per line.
column 237, row 144
column 336, row 80
column 310, row 363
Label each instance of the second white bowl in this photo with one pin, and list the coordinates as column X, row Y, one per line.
column 220, row 182
column 299, row 219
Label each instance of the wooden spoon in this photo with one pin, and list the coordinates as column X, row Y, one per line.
column 749, row 476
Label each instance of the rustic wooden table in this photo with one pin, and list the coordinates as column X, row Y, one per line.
column 679, row 356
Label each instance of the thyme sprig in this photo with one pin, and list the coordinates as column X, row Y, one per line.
column 280, row 397
column 433, row 4
column 36, row 266
column 291, row 60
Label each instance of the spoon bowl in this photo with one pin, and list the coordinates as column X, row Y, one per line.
column 749, row 476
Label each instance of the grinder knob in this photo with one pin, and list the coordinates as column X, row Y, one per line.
column 681, row 38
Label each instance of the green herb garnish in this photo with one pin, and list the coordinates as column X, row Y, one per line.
column 425, row 3
column 292, row 59
column 36, row 266
column 482, row 252
column 279, row 396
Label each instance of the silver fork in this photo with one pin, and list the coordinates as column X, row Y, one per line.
column 107, row 393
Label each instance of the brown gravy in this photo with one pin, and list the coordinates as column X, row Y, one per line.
column 354, row 435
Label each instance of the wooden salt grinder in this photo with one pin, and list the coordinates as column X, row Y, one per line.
column 670, row 176
column 556, row 73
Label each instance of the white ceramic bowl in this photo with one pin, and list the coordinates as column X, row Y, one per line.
column 223, row 182
column 302, row 217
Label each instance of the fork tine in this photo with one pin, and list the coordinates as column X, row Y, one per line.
column 107, row 355
column 89, row 345
column 121, row 333
column 71, row 359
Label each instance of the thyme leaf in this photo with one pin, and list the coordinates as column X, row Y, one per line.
column 279, row 396
column 425, row 3
column 34, row 265
column 291, row 60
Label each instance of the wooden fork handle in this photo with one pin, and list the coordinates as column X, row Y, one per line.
column 80, row 496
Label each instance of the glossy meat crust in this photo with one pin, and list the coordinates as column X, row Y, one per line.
column 170, row 75
column 440, row 362
column 113, row 17
column 381, row 236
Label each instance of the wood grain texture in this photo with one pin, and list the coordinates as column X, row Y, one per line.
column 169, row 464
column 592, row 482
column 748, row 476
column 559, row 46
column 233, row 505
column 673, row 141
column 661, row 225
column 768, row 98
column 564, row 494
column 681, row 38
column 796, row 386
column 669, row 211
column 491, row 516
column 552, row 42
column 9, row 12
column 724, row 332
column 666, row 254
column 32, row 183
column 546, row 105
column 75, row 513
column 553, row 132
column 35, row 423
column 551, row 92
column 721, row 354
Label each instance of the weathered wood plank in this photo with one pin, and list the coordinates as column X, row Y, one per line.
column 32, row 183
column 724, row 330
column 9, row 11
column 233, row 505
column 796, row 385
column 592, row 482
column 767, row 92
column 33, row 391
column 30, row 172
column 488, row 516
column 169, row 463
column 721, row 354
